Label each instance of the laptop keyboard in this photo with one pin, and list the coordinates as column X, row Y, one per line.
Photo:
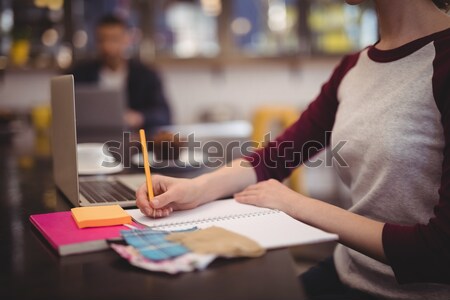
column 106, row 191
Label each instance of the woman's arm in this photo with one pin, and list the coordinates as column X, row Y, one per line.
column 357, row 232
column 178, row 194
column 226, row 181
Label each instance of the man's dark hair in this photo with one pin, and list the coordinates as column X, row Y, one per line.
column 112, row 20
column 442, row 4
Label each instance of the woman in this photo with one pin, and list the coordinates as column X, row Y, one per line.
column 390, row 103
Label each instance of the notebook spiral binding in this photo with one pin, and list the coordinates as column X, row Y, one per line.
column 209, row 220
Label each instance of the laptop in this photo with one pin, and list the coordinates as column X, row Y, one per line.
column 99, row 109
column 81, row 190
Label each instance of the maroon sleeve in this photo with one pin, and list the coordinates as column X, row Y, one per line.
column 307, row 136
column 421, row 253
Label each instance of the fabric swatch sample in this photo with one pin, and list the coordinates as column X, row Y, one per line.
column 153, row 245
column 218, row 241
column 185, row 263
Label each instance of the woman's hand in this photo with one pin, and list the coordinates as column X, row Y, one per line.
column 179, row 194
column 270, row 193
column 170, row 194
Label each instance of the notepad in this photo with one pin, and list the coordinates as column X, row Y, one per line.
column 270, row 228
column 63, row 234
column 96, row 216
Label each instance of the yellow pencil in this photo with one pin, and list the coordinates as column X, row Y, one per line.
column 148, row 175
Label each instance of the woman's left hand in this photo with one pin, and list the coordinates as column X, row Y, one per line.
column 270, row 193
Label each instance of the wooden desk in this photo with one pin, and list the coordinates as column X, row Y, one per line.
column 30, row 269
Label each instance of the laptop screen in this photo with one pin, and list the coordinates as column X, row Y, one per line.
column 64, row 136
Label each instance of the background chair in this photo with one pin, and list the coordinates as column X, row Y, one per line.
column 274, row 120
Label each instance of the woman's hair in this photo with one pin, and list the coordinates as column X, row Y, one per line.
column 443, row 4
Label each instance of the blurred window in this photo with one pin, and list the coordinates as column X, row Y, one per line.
column 187, row 29
column 338, row 28
column 48, row 33
column 265, row 27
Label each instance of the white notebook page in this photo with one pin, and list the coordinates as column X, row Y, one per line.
column 270, row 228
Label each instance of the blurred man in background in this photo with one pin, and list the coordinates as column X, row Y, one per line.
column 147, row 106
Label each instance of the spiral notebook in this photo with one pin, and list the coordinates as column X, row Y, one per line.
column 270, row 228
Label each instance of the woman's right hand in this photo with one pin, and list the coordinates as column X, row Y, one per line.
column 170, row 194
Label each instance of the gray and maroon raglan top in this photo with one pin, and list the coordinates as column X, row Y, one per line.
column 392, row 110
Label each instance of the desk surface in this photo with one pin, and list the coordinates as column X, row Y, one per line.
column 30, row 269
